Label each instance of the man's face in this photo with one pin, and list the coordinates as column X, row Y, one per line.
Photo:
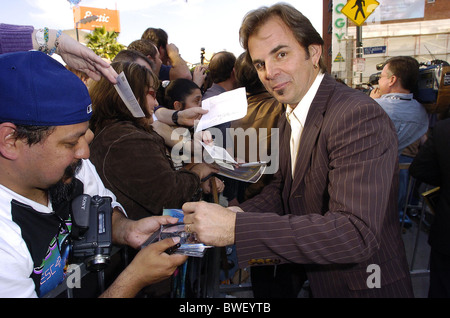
column 56, row 157
column 163, row 55
column 385, row 80
column 282, row 62
column 158, row 62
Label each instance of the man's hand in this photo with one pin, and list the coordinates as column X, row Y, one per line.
column 213, row 224
column 375, row 93
column 207, row 186
column 188, row 116
column 179, row 66
column 84, row 59
column 199, row 75
column 135, row 233
column 203, row 170
column 151, row 265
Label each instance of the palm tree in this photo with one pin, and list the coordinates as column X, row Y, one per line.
column 104, row 43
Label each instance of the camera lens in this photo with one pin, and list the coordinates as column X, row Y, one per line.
column 97, row 262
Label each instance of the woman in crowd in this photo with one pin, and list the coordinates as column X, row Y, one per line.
column 130, row 156
column 182, row 94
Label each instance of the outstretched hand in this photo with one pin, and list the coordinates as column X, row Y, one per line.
column 84, row 59
column 187, row 117
column 141, row 229
column 213, row 224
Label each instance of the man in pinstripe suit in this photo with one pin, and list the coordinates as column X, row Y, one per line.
column 331, row 207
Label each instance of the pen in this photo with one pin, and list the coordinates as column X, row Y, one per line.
column 252, row 164
column 172, row 249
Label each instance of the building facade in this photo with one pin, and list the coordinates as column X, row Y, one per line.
column 417, row 28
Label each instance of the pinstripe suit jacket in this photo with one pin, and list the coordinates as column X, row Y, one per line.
column 339, row 213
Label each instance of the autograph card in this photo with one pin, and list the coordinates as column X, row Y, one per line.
column 124, row 90
column 189, row 245
column 176, row 213
column 225, row 107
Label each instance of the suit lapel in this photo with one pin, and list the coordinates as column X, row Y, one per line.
column 285, row 157
column 311, row 130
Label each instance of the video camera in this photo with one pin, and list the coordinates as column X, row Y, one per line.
column 430, row 81
column 91, row 230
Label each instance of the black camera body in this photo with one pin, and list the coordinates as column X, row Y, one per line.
column 92, row 230
column 428, row 84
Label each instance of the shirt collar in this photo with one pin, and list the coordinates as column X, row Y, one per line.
column 301, row 111
column 401, row 96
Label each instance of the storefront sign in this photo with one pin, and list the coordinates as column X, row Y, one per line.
column 375, row 50
column 339, row 36
column 107, row 18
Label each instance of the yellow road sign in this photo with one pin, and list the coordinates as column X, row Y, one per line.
column 359, row 10
column 339, row 58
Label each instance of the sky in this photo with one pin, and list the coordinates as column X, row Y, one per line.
column 191, row 25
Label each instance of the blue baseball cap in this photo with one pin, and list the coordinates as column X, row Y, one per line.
column 37, row 90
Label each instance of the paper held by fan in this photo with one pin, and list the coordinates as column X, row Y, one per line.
column 228, row 167
column 218, row 153
column 127, row 95
column 228, row 106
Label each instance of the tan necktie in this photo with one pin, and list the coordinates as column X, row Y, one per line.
column 296, row 132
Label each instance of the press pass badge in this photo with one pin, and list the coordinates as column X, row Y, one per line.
column 125, row 92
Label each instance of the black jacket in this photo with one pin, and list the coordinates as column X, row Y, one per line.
column 432, row 166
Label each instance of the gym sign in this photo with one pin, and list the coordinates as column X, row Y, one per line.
column 339, row 38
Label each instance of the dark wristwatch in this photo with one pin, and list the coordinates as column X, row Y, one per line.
column 175, row 117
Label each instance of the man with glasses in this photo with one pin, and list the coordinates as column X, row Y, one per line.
column 398, row 81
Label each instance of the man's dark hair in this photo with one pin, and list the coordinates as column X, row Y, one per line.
column 33, row 134
column 406, row 68
column 146, row 47
column 221, row 66
column 157, row 36
column 131, row 56
column 300, row 26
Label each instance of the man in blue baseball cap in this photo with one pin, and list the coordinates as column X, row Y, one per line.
column 44, row 150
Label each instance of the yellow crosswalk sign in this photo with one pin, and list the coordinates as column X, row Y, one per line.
column 359, row 10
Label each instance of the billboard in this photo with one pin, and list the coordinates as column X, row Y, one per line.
column 106, row 17
column 390, row 10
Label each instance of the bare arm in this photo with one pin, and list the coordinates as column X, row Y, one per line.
column 179, row 67
column 186, row 117
column 78, row 56
column 134, row 233
column 151, row 265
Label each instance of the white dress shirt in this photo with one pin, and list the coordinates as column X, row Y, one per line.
column 296, row 117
